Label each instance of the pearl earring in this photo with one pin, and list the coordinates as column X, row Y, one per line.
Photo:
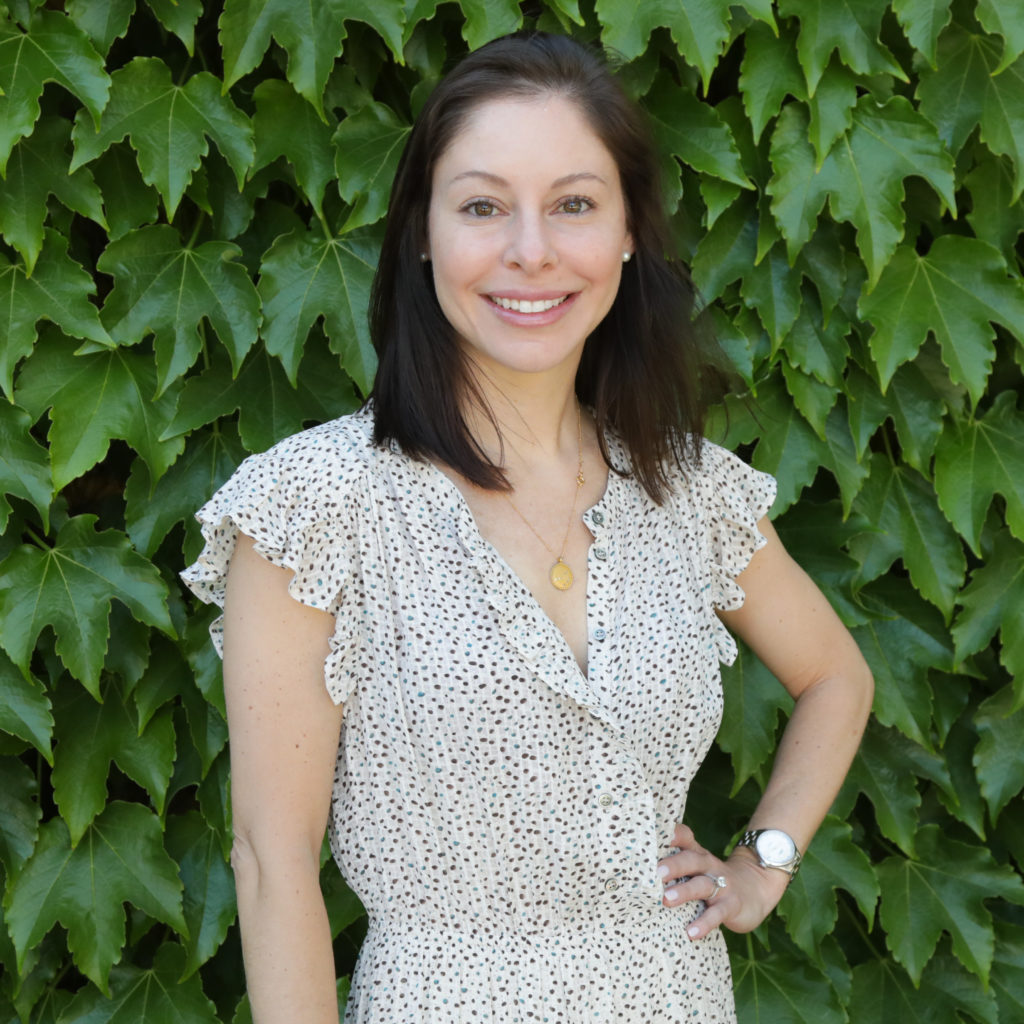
column 626, row 256
column 423, row 257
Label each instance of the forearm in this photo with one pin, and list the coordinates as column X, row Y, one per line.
column 286, row 942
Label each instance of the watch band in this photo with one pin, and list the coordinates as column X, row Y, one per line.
column 790, row 865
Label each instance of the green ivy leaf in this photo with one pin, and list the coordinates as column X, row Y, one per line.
column 25, row 709
column 772, row 287
column 923, row 22
column 866, row 405
column 38, row 168
column 1004, row 20
column 102, row 22
column 884, row 994
column 847, row 26
column 156, row 995
column 209, row 900
column 815, row 347
column 902, row 506
column 962, row 797
column 168, row 126
column 994, row 600
column 179, row 17
column 813, row 400
column 53, row 50
column 165, row 289
column 979, row 458
column 917, row 413
column 487, row 19
column 769, row 73
column 90, row 737
column 58, row 291
column 120, row 859
column 1008, row 971
column 862, row 176
column 311, row 34
column 20, row 814
column 831, row 109
column 833, row 861
column 69, row 587
column 24, row 465
column 304, row 277
column 129, row 202
column 753, row 701
column 699, row 28
column 367, row 146
column 286, row 125
column 995, row 217
column 943, row 889
column 727, row 250
column 94, row 399
column 694, row 132
column 999, row 758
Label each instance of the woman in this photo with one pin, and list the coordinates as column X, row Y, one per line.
column 512, row 570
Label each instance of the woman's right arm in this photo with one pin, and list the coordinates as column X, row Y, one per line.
column 283, row 729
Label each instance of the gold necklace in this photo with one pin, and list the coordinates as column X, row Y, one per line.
column 560, row 574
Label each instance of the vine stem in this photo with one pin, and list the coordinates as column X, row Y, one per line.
column 40, row 542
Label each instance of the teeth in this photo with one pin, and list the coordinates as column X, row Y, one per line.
column 526, row 306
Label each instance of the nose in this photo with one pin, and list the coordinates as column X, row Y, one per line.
column 530, row 244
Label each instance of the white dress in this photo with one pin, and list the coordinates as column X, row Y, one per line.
column 500, row 813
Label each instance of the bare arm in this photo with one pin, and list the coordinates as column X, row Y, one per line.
column 790, row 625
column 284, row 740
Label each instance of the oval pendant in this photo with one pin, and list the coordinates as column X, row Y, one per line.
column 561, row 576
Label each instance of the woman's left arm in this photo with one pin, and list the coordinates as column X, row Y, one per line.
column 788, row 623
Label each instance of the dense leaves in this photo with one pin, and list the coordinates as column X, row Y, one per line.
column 191, row 196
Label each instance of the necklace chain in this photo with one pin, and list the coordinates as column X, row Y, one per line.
column 560, row 574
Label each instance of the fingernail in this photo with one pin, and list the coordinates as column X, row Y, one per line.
column 693, row 931
column 662, row 871
column 671, row 895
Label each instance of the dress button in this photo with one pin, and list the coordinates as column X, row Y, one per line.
column 598, row 518
column 600, row 553
column 611, row 885
column 606, row 800
column 600, row 634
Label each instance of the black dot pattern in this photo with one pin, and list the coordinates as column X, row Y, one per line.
column 500, row 812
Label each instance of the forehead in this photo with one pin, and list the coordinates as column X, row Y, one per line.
column 535, row 135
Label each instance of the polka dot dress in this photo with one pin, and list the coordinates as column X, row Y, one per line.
column 499, row 812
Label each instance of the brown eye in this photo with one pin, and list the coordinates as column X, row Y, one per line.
column 482, row 208
column 575, row 204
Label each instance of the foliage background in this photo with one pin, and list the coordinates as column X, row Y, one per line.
column 189, row 207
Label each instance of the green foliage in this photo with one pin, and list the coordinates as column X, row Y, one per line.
column 191, row 198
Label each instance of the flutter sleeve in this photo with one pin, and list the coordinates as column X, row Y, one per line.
column 298, row 522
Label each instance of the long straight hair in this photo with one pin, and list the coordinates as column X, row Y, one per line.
column 640, row 369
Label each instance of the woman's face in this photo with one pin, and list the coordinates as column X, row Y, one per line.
column 527, row 230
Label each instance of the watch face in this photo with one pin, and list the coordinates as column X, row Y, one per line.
column 775, row 847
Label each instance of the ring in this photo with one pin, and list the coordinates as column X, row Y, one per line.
column 720, row 883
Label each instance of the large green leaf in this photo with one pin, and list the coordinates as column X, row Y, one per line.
column 38, row 168
column 311, row 34
column 92, row 736
column 286, row 125
column 69, row 587
column 25, row 709
column 367, row 147
column 1000, row 754
column 57, row 291
column 94, row 399
column 772, row 287
column 20, row 814
column 129, row 202
column 727, row 251
column 833, row 861
column 850, row 27
column 923, row 22
column 102, row 22
column 977, row 459
column 994, row 600
column 24, row 465
column 1006, row 20
column 943, row 889
column 163, row 288
column 304, row 277
column 168, row 125
column 917, row 413
column 995, row 216
column 831, row 109
column 769, row 73
column 53, row 50
column 209, row 899
column 120, row 859
column 862, row 176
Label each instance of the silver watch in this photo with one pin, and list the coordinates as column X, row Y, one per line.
column 774, row 849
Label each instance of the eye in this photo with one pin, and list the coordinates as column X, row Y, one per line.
column 575, row 204
column 481, row 208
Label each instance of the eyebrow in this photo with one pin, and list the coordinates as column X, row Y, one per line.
column 496, row 179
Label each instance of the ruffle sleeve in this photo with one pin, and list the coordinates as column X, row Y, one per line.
column 298, row 521
column 731, row 498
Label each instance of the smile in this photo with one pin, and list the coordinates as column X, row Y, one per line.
column 525, row 305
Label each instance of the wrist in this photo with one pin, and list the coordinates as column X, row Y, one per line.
column 773, row 849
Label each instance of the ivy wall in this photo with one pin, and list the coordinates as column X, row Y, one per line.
column 190, row 203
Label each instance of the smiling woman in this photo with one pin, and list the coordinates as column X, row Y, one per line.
column 513, row 569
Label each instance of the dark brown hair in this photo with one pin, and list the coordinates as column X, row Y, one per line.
column 640, row 368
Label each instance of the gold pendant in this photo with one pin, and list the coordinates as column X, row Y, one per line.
column 561, row 576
